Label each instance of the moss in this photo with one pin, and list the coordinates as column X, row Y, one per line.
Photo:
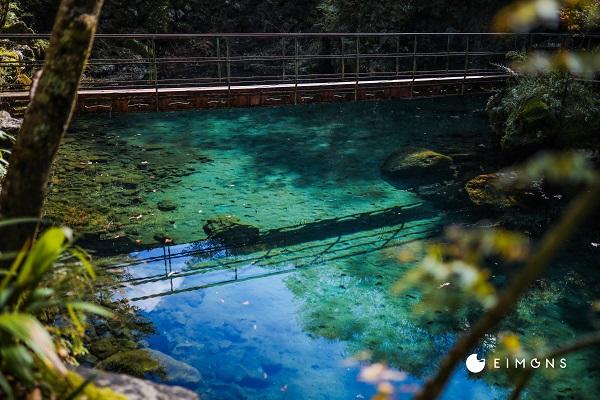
column 542, row 112
column 64, row 386
column 407, row 162
column 167, row 205
column 483, row 190
column 107, row 346
column 138, row 363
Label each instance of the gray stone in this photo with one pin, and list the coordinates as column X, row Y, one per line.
column 137, row 389
column 9, row 124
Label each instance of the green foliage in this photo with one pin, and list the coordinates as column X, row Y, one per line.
column 547, row 111
column 28, row 348
column 5, row 140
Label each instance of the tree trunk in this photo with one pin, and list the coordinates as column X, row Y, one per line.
column 4, row 8
column 578, row 211
column 47, row 118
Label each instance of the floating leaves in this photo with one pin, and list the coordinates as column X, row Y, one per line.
column 382, row 376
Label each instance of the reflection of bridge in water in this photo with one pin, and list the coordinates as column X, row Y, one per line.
column 236, row 69
column 181, row 268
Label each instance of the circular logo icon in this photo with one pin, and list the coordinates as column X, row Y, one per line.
column 474, row 364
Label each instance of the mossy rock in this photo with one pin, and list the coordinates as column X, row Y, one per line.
column 536, row 126
column 167, row 205
column 148, row 363
column 130, row 180
column 485, row 190
column 107, row 346
column 231, row 231
column 406, row 163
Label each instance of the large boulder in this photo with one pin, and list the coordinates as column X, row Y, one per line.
column 413, row 163
column 231, row 231
column 134, row 388
column 147, row 363
column 535, row 127
column 501, row 190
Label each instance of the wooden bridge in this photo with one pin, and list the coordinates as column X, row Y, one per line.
column 145, row 72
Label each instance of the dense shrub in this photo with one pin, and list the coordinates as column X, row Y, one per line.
column 547, row 111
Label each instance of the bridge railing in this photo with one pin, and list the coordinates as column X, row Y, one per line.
column 157, row 61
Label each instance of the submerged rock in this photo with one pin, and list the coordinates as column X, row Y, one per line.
column 485, row 190
column 488, row 190
column 107, row 346
column 405, row 163
column 231, row 231
column 167, row 205
column 142, row 363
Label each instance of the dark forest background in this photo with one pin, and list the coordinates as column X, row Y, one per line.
column 206, row 16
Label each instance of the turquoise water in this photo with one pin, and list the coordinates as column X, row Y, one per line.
column 283, row 319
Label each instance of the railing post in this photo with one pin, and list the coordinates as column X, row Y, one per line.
column 462, row 89
column 295, row 69
column 228, row 71
column 343, row 57
column 357, row 67
column 414, row 67
column 155, row 72
column 397, row 55
column 283, row 58
column 448, row 55
column 219, row 58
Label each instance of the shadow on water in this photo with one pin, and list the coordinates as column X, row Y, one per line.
column 283, row 250
column 302, row 233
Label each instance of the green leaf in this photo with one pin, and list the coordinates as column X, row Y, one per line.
column 27, row 329
column 20, row 361
column 17, row 221
column 84, row 260
column 43, row 255
column 91, row 308
column 5, row 386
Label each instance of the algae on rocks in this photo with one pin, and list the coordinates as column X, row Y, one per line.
column 547, row 111
column 149, row 363
column 407, row 163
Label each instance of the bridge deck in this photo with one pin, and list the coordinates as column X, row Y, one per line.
column 164, row 98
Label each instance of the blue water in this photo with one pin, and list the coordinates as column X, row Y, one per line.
column 284, row 319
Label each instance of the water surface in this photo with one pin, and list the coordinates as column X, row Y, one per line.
column 282, row 319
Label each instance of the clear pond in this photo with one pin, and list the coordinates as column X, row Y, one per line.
column 283, row 318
